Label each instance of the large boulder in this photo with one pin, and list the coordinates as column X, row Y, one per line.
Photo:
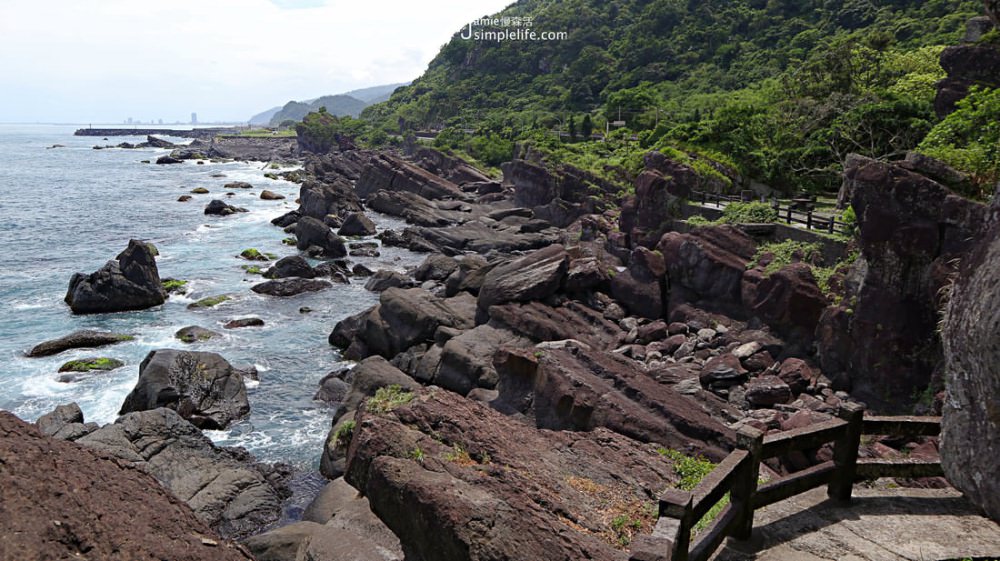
column 788, row 300
column 318, row 199
column 641, row 288
column 357, row 224
column 388, row 173
column 310, row 232
column 225, row 488
column 130, row 282
column 202, row 387
column 403, row 318
column 705, row 267
column 84, row 339
column 660, row 192
column 458, row 481
column 912, row 232
column 532, row 277
column 91, row 506
column 291, row 266
column 970, row 426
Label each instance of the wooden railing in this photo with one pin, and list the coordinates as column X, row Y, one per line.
column 787, row 214
column 738, row 475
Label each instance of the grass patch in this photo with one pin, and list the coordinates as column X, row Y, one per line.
column 460, row 456
column 785, row 253
column 692, row 469
column 388, row 398
column 344, row 434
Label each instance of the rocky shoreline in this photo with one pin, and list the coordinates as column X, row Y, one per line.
column 531, row 388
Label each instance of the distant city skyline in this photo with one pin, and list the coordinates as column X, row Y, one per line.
column 69, row 61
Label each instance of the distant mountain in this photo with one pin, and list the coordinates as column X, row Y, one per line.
column 348, row 103
column 375, row 94
column 264, row 117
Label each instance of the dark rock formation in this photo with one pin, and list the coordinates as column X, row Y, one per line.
column 403, row 318
column 970, row 426
column 967, row 66
column 162, row 160
column 705, row 267
column 385, row 279
column 226, row 488
column 487, row 487
column 357, row 224
column 411, row 207
column 267, row 195
column 788, row 300
column 388, row 173
column 557, row 194
column 311, row 232
column 532, row 277
column 641, row 288
column 319, row 199
column 339, row 525
column 291, row 266
column 450, row 168
column 577, row 388
column 202, row 387
column 85, row 339
column 912, row 230
column 290, row 287
column 116, row 511
column 130, row 282
column 219, row 208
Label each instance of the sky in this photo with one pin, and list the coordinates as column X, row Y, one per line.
column 103, row 61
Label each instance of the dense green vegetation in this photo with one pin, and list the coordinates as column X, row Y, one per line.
column 780, row 89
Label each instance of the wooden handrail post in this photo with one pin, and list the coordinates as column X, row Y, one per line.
column 675, row 523
column 745, row 484
column 789, row 217
column 845, row 452
column 809, row 220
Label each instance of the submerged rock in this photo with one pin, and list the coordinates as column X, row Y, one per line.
column 219, row 208
column 290, row 287
column 77, row 340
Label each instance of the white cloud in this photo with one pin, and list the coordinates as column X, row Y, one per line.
column 105, row 60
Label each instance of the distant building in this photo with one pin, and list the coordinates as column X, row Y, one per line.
column 194, row 118
column 160, row 121
column 129, row 120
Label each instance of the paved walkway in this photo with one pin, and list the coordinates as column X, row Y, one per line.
column 879, row 525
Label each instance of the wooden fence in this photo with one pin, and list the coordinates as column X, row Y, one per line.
column 788, row 214
column 738, row 476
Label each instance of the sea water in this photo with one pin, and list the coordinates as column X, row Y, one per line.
column 70, row 209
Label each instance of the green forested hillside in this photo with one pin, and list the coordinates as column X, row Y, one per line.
column 336, row 104
column 783, row 89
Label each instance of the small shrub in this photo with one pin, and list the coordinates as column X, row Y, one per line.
column 698, row 220
column 344, row 434
column 388, row 398
column 459, row 456
column 749, row 213
column 417, row 454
